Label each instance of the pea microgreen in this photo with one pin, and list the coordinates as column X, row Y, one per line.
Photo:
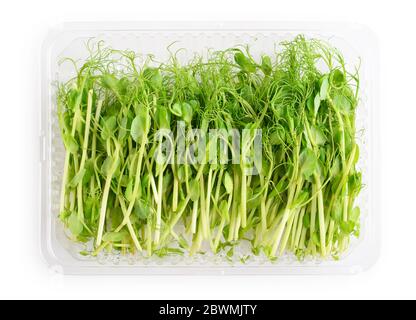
column 117, row 194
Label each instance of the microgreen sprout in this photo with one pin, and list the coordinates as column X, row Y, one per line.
column 123, row 190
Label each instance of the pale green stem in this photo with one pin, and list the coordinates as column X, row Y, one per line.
column 208, row 203
column 243, row 204
column 84, row 155
column 94, row 137
column 159, row 208
column 68, row 154
column 299, row 229
column 204, row 220
column 103, row 209
column 288, row 230
column 286, row 214
column 321, row 215
column 330, row 236
column 194, row 216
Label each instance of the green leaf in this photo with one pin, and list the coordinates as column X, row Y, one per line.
column 89, row 171
column 77, row 178
column 277, row 136
column 342, row 103
column 106, row 166
column 117, row 216
column 89, row 207
column 177, row 109
column 115, row 236
column 75, row 224
column 167, row 180
column 122, row 86
column 317, row 103
column 144, row 182
column 154, row 77
column 317, row 136
column 354, row 183
column 140, row 125
column 108, row 127
column 187, row 112
column 156, row 80
column 244, row 62
column 195, row 190
column 129, row 190
column 71, row 145
column 72, row 98
column 309, row 163
column 347, row 227
column 142, row 209
column 194, row 104
column 163, row 117
column 124, row 180
column 323, row 93
column 228, row 183
column 337, row 78
column 301, row 199
column 336, row 167
column 266, row 65
column 122, row 131
column 355, row 215
column 109, row 81
column 306, row 221
column 310, row 104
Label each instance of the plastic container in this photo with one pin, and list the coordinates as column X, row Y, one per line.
column 69, row 40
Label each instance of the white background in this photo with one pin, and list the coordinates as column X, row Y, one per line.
column 23, row 26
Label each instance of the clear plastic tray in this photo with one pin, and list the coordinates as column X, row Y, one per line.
column 355, row 42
